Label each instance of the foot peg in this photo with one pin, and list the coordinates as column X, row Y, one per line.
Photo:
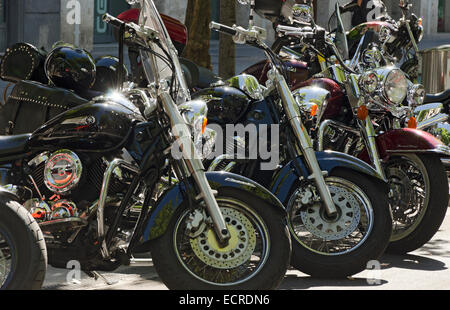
column 96, row 275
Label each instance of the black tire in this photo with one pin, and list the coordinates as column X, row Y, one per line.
column 342, row 265
column 26, row 240
column 270, row 275
column 435, row 211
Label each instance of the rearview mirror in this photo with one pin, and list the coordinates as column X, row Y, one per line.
column 303, row 13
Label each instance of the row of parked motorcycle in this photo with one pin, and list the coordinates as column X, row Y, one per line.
column 98, row 164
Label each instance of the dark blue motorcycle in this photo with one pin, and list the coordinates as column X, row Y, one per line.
column 338, row 212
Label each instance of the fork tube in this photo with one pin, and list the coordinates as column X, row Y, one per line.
column 195, row 166
column 372, row 146
column 293, row 113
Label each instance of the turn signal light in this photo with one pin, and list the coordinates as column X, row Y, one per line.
column 412, row 123
column 205, row 122
column 363, row 112
column 314, row 110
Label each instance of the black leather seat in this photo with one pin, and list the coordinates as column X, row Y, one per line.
column 12, row 145
column 439, row 97
column 196, row 76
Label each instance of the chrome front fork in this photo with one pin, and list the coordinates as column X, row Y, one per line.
column 372, row 148
column 293, row 113
column 195, row 166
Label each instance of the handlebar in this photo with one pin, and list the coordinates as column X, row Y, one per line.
column 113, row 21
column 298, row 32
column 222, row 28
column 241, row 35
column 144, row 32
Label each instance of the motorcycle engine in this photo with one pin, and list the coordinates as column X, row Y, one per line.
column 62, row 172
column 66, row 183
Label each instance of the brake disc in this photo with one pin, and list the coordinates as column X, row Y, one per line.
column 343, row 224
column 240, row 246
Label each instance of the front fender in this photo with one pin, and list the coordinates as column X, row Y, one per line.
column 406, row 141
column 288, row 176
column 9, row 195
column 174, row 198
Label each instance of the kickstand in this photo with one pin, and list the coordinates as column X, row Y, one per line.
column 96, row 275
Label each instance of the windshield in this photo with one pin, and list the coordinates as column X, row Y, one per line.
column 162, row 63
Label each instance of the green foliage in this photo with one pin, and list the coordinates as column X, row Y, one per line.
column 444, row 135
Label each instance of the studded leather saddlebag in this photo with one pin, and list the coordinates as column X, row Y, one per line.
column 31, row 104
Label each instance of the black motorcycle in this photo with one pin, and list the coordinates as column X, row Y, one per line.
column 338, row 213
column 91, row 177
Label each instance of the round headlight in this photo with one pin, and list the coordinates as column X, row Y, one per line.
column 416, row 94
column 396, row 86
column 369, row 82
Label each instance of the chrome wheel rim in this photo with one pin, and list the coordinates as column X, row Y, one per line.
column 6, row 260
column 343, row 234
column 410, row 194
column 244, row 256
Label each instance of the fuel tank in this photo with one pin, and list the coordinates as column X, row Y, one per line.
column 298, row 71
column 92, row 127
column 226, row 105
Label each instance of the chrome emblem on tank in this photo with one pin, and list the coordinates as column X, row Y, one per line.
column 62, row 171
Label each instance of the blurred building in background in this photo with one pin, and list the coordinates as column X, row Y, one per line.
column 43, row 22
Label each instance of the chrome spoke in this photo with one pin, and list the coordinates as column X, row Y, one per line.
column 410, row 194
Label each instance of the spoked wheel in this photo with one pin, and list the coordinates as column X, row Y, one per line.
column 418, row 198
column 339, row 246
column 6, row 260
column 256, row 256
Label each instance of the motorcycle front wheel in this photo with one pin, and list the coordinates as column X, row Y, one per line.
column 255, row 258
column 342, row 245
column 23, row 253
column 419, row 200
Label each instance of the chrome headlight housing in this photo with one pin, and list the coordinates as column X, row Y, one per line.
column 416, row 95
column 395, row 86
column 312, row 100
column 195, row 114
column 386, row 87
column 369, row 82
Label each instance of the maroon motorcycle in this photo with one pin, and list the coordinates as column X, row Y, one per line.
column 368, row 115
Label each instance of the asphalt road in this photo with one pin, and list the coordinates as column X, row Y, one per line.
column 424, row 269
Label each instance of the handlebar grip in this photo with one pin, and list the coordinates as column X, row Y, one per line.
column 113, row 21
column 222, row 28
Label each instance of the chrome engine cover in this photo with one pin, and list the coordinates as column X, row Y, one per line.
column 62, row 172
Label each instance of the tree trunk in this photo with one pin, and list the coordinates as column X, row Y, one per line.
column 198, row 17
column 227, row 48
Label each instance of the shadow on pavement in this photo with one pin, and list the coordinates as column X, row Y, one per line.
column 412, row 262
column 305, row 282
column 436, row 247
